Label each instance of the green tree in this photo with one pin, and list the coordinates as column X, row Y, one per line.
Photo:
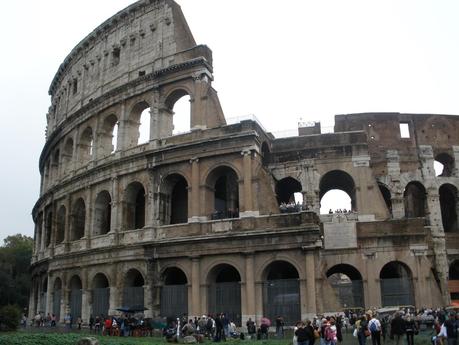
column 15, row 256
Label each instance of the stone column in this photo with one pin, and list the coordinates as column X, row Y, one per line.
column 88, row 219
column 250, row 309
column 85, row 297
column 149, row 203
column 114, row 225
column 193, row 202
column 154, row 116
column 43, row 233
column 148, row 301
column 49, row 295
column 393, row 171
column 372, row 283
column 121, row 143
column 311, row 282
column 455, row 171
column 32, row 300
column 116, row 289
column 67, row 223
column 258, row 301
column 194, row 306
column 247, row 175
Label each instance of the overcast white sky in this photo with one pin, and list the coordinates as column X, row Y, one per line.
column 280, row 60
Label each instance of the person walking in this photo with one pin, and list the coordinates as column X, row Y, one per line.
column 279, row 327
column 374, row 325
column 397, row 328
column 410, row 330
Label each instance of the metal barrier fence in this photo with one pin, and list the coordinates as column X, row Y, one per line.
column 282, row 298
column 100, row 301
column 75, row 304
column 226, row 298
column 174, row 300
column 397, row 291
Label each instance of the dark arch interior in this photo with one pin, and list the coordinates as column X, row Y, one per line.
column 348, row 270
column 135, row 206
column 174, row 276
column 134, row 279
column 226, row 193
column 178, row 199
column 448, row 203
column 394, row 270
column 79, row 218
column 387, row 197
column 265, row 152
column 281, row 270
column 286, row 188
column 454, row 271
column 57, row 284
column 60, row 224
column 415, row 200
column 448, row 163
column 103, row 212
column 49, row 227
column 75, row 283
column 337, row 179
column 100, row 281
column 224, row 273
column 44, row 287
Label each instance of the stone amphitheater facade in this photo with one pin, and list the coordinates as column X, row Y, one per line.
column 190, row 223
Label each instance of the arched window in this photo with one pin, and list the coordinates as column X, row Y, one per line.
column 67, row 156
column 178, row 104
column 107, row 136
column 174, row 293
column 174, row 200
column 347, row 283
column 75, row 297
column 337, row 192
column 281, row 292
column 133, row 293
column 60, row 224
column 102, row 213
column 225, row 193
column 289, row 197
column 78, row 220
column 55, row 164
column 85, row 146
column 225, row 292
column 135, row 206
column 443, row 165
column 385, row 192
column 48, row 227
column 100, row 295
column 449, row 207
column 415, row 200
column 396, row 284
column 266, row 154
column 138, row 129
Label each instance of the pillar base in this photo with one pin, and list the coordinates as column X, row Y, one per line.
column 247, row 214
column 197, row 219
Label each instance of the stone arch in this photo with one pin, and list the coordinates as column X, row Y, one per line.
column 134, row 206
column 86, row 146
column 449, row 207
column 60, row 224
column 447, row 161
column 224, row 292
column 386, row 194
column 338, row 180
column 174, row 292
column 48, row 227
column 134, row 128
column 174, row 199
column 415, row 201
column 55, row 163
column 75, row 298
column 347, row 282
column 222, row 194
column 181, row 121
column 107, row 142
column 453, row 281
column 102, row 213
column 265, row 153
column 281, row 291
column 67, row 154
column 133, row 288
column 78, row 220
column 396, row 284
column 287, row 190
column 100, row 294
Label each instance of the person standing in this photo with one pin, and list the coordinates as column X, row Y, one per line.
column 410, row 329
column 397, row 328
column 374, row 325
column 302, row 335
column 251, row 328
column 279, row 327
column 451, row 326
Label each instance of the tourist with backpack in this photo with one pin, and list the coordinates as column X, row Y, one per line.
column 330, row 333
column 374, row 325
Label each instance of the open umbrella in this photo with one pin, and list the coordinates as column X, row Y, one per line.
column 132, row 309
column 265, row 321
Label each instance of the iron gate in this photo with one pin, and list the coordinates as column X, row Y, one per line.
column 57, row 304
column 100, row 301
column 75, row 304
column 174, row 300
column 396, row 291
column 350, row 294
column 226, row 298
column 133, row 296
column 282, row 298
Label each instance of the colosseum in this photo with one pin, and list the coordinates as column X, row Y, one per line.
column 226, row 217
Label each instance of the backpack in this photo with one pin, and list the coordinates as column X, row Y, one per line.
column 329, row 334
column 373, row 327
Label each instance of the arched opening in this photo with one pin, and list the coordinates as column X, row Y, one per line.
column 453, row 282
column 135, row 206
column 75, row 297
column 281, row 292
column 265, row 153
column 174, row 200
column 48, row 227
column 102, row 213
column 43, row 295
column 179, row 105
column 39, row 231
column 174, row 293
column 225, row 185
column 133, row 292
column 107, row 136
column 225, row 292
column 396, row 284
column 78, row 220
column 85, row 146
column 138, row 128
column 57, row 293
column 60, row 224
column 100, row 295
column 347, row 283
column 385, row 192
column 415, row 200
column 449, row 207
column 67, row 155
column 55, row 164
column 337, row 192
column 289, row 197
column 443, row 165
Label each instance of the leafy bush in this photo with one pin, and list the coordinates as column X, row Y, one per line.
column 9, row 318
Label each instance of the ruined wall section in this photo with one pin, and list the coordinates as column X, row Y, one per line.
column 138, row 40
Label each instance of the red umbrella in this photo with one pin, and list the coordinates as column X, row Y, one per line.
column 265, row 321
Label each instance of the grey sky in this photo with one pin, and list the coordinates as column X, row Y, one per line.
column 281, row 61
